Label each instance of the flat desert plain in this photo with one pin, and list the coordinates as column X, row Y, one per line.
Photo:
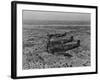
column 35, row 55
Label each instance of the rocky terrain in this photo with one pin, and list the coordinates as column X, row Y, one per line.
column 35, row 55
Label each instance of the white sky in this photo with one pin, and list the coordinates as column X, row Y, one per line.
column 32, row 16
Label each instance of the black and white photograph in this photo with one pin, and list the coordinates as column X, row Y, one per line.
column 53, row 39
column 56, row 39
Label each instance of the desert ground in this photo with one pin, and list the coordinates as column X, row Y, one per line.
column 35, row 55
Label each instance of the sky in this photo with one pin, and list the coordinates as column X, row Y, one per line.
column 50, row 17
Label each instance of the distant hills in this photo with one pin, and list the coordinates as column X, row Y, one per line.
column 58, row 22
column 60, row 27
